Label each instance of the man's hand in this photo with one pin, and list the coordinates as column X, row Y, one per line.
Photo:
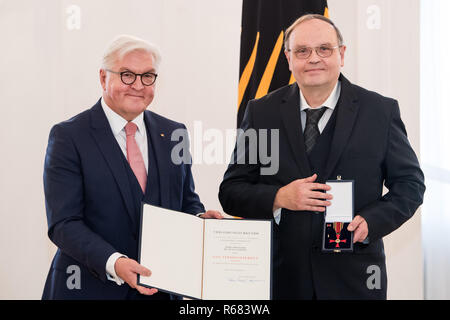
column 302, row 194
column 360, row 227
column 128, row 269
column 211, row 214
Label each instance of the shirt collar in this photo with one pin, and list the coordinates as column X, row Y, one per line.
column 331, row 101
column 117, row 123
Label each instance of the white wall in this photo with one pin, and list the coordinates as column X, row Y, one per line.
column 382, row 38
column 435, row 131
column 50, row 72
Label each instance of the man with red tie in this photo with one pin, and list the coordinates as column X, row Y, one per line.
column 100, row 165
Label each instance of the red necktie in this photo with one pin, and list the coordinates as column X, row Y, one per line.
column 134, row 156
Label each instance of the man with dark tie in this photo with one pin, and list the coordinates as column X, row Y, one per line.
column 328, row 128
column 100, row 165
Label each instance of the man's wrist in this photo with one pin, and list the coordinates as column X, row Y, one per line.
column 276, row 202
column 111, row 270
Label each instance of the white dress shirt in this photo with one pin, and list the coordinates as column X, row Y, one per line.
column 330, row 104
column 117, row 124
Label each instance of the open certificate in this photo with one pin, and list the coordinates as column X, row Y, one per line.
column 205, row 258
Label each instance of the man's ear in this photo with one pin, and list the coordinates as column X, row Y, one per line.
column 288, row 58
column 103, row 78
column 342, row 53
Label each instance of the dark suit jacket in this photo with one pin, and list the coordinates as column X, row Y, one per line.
column 370, row 146
column 92, row 210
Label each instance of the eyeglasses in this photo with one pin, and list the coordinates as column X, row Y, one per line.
column 129, row 77
column 321, row 51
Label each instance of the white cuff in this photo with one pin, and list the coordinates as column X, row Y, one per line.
column 110, row 270
column 277, row 216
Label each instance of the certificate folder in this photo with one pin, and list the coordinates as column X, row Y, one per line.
column 205, row 258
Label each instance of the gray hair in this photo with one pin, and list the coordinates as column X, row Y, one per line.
column 307, row 17
column 124, row 44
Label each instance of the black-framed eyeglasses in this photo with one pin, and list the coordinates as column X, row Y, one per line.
column 321, row 51
column 129, row 77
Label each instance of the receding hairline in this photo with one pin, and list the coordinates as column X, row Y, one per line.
column 309, row 17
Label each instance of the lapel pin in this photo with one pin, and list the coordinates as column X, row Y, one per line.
column 162, row 134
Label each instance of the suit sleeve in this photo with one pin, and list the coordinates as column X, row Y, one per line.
column 404, row 180
column 190, row 200
column 241, row 192
column 64, row 200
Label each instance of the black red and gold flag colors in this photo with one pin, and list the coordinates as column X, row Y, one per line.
column 263, row 66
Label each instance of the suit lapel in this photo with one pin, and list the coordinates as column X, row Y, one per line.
column 345, row 119
column 159, row 138
column 101, row 131
column 290, row 114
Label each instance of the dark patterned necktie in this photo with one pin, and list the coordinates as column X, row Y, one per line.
column 312, row 129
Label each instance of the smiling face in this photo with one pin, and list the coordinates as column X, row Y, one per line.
column 315, row 71
column 128, row 100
